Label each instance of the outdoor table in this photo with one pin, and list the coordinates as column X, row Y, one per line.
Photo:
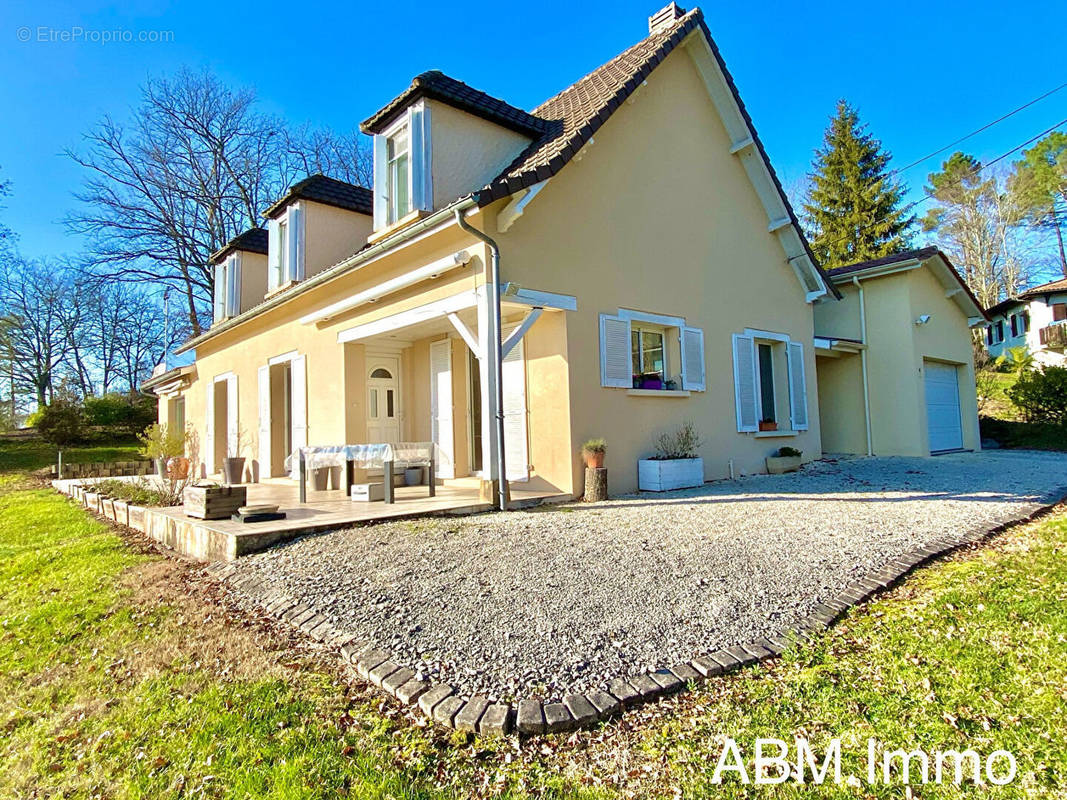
column 367, row 456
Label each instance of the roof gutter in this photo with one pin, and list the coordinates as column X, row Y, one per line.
column 444, row 217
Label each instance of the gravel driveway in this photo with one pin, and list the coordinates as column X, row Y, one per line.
column 563, row 599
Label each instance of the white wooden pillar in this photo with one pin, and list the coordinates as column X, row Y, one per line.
column 488, row 387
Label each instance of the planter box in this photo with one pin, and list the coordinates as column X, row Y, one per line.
column 214, row 502
column 777, row 465
column 654, row 475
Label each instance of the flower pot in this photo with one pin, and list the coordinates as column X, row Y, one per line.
column 161, row 467
column 768, row 426
column 593, row 460
column 662, row 475
column 320, row 479
column 413, row 476
column 233, row 470
column 651, row 383
column 777, row 465
column 178, row 468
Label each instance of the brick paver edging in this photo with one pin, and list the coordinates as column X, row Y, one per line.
column 532, row 716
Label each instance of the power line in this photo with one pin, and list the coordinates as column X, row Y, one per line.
column 985, row 127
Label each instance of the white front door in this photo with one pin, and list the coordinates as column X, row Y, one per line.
column 383, row 399
column 441, row 406
column 943, row 407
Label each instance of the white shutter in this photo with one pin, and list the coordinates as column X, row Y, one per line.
column 441, row 430
column 381, row 213
column 231, row 417
column 798, row 387
column 274, row 256
column 296, row 243
column 616, row 362
column 692, row 346
column 264, row 422
column 219, row 299
column 516, row 453
column 299, row 409
column 421, row 158
column 233, row 285
column 745, row 383
column 209, row 431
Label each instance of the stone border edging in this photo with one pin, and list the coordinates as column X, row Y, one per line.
column 532, row 716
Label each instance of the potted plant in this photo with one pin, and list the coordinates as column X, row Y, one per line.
column 768, row 425
column 233, row 467
column 787, row 459
column 676, row 464
column 593, row 452
column 651, row 380
column 160, row 444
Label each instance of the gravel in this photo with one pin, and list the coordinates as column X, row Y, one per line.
column 562, row 599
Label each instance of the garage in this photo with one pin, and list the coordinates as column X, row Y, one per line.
column 943, row 421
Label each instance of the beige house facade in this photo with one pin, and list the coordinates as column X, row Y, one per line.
column 648, row 271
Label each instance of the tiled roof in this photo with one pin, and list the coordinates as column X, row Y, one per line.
column 1053, row 286
column 907, row 255
column 254, row 240
column 1004, row 305
column 330, row 191
column 438, row 86
column 576, row 113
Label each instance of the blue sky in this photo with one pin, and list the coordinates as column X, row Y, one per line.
column 921, row 73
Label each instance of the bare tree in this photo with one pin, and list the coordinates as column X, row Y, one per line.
column 342, row 156
column 196, row 166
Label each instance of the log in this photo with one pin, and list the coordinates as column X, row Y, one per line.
column 596, row 484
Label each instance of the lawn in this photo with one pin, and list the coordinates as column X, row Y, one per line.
column 125, row 674
column 27, row 453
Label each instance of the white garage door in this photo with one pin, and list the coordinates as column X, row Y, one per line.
column 943, row 407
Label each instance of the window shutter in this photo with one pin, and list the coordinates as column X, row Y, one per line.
column 693, row 359
column 798, row 387
column 421, row 166
column 209, row 430
column 264, row 423
column 380, row 212
column 1014, row 325
column 219, row 299
column 296, row 243
column 298, row 407
column 616, row 368
column 274, row 265
column 745, row 383
column 989, row 334
column 233, row 285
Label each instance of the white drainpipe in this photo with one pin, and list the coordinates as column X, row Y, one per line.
column 863, row 366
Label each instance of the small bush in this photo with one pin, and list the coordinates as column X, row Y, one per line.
column 142, row 492
column 61, row 422
column 789, row 452
column 1041, row 395
column 597, row 445
column 683, row 443
column 121, row 412
column 159, row 441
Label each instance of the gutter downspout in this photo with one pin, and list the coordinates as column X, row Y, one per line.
column 496, row 357
column 863, row 365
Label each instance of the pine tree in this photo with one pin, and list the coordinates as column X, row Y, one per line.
column 853, row 208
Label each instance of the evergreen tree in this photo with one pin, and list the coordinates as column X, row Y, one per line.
column 853, row 209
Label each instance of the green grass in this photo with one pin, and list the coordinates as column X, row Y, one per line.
column 122, row 675
column 27, row 454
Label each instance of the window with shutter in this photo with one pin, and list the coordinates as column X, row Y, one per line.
column 219, row 298
column 693, row 373
column 233, row 285
column 745, row 383
column 615, row 355
column 295, row 232
column 421, row 151
column 798, row 387
column 1059, row 312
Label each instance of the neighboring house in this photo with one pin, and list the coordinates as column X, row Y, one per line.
column 1036, row 320
column 896, row 358
column 651, row 271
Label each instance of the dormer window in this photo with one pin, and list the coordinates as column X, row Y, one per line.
column 285, row 248
column 402, row 170
column 397, row 169
column 227, row 299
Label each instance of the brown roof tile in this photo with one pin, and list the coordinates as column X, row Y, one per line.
column 254, row 240
column 1053, row 286
column 329, row 191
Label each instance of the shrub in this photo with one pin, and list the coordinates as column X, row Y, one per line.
column 62, row 421
column 597, row 445
column 1041, row 395
column 789, row 452
column 683, row 443
column 159, row 441
column 115, row 410
column 142, row 492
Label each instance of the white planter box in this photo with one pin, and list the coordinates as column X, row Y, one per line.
column 654, row 475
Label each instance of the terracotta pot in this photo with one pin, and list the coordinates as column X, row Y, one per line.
column 178, row 468
column 768, row 426
column 593, row 460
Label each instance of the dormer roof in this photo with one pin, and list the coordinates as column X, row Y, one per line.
column 254, row 240
column 438, row 86
column 329, row 191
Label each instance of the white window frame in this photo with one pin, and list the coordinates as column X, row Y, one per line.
column 657, row 330
column 226, row 302
column 658, row 323
column 419, row 181
column 285, row 253
column 798, row 406
column 392, row 164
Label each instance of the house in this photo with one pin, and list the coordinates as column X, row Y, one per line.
column 616, row 261
column 896, row 358
column 1035, row 320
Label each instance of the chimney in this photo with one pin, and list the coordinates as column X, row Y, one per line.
column 664, row 17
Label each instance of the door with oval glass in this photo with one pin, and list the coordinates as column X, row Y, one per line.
column 383, row 399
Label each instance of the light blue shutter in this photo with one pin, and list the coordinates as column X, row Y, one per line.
column 274, row 256
column 296, row 243
column 381, row 214
column 798, row 387
column 692, row 346
column 745, row 383
column 421, row 158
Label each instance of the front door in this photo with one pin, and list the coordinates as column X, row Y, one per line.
column 383, row 399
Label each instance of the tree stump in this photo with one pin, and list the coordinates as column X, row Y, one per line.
column 596, row 484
